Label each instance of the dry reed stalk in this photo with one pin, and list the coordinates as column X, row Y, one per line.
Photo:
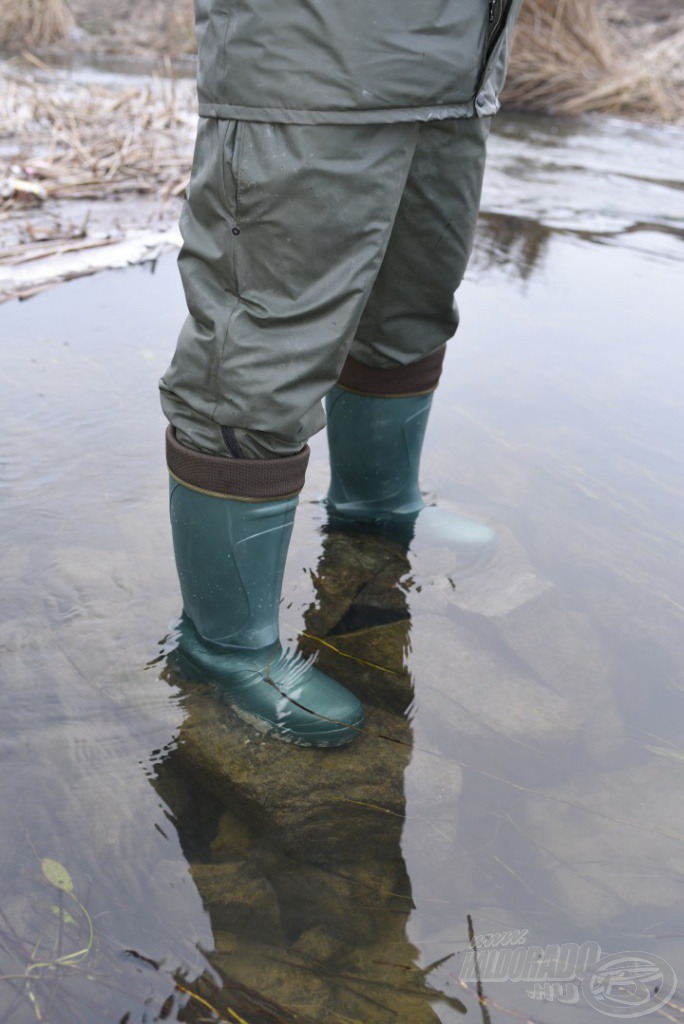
column 575, row 56
column 87, row 141
column 179, row 33
column 34, row 22
column 27, row 252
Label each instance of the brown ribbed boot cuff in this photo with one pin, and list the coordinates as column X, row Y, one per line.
column 241, row 479
column 397, row 382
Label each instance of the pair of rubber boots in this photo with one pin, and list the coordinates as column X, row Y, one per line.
column 230, row 556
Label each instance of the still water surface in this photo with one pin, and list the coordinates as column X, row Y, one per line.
column 522, row 770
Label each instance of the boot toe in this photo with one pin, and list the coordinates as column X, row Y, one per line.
column 317, row 711
column 278, row 692
column 469, row 542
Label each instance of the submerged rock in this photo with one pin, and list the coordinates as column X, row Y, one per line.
column 239, row 899
column 307, row 889
column 381, row 985
column 506, row 582
column 359, row 625
column 330, row 804
column 611, row 842
column 304, row 873
column 369, row 662
column 468, row 684
column 360, row 582
column 491, row 655
column 563, row 650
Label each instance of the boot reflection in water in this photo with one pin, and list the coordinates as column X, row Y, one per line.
column 359, row 622
column 298, row 857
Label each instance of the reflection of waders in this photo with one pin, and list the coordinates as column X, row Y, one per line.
column 319, row 259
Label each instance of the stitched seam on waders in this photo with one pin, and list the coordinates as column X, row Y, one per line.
column 237, row 177
column 219, row 366
column 234, row 165
column 400, row 193
column 431, row 110
column 231, row 208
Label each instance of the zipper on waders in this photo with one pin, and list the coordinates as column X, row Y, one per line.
column 497, row 17
column 496, row 24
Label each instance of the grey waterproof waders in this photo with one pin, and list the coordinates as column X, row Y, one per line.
column 312, row 255
column 329, row 220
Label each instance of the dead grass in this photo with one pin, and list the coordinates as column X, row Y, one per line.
column 76, row 140
column 136, row 27
column 577, row 56
column 65, row 142
column 619, row 57
column 179, row 31
column 34, row 22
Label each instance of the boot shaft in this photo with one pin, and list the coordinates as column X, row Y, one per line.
column 375, row 449
column 230, row 557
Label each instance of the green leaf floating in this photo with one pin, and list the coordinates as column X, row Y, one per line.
column 57, row 874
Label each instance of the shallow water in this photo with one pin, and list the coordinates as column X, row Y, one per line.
column 523, row 762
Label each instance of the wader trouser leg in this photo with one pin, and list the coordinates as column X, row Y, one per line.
column 285, row 229
column 411, row 311
column 378, row 413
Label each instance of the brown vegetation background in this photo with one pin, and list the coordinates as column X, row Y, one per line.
column 621, row 57
column 87, row 163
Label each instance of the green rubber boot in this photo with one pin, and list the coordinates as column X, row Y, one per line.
column 375, row 448
column 230, row 556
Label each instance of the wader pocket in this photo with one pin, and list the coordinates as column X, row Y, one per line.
column 231, row 145
column 231, row 132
